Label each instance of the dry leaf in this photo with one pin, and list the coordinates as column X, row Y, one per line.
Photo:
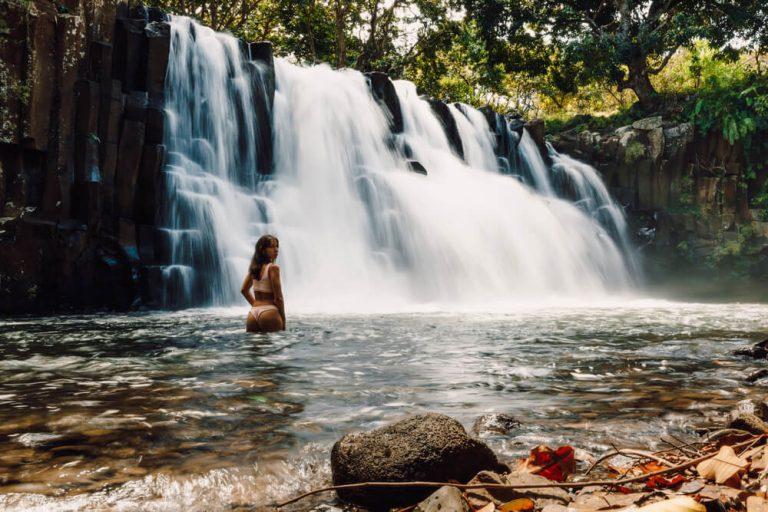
column 518, row 505
column 757, row 504
column 723, row 466
column 678, row 504
column 490, row 507
column 552, row 464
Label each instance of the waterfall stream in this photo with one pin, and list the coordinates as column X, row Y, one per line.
column 358, row 229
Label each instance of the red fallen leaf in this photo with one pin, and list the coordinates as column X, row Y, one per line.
column 552, row 464
column 659, row 482
column 624, row 490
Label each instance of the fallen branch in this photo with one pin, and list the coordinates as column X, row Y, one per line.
column 625, row 451
column 561, row 485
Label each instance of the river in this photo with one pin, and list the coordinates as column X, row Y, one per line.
column 185, row 411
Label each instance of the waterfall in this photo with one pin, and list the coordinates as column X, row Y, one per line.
column 358, row 228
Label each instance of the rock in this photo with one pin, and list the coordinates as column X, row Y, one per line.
column 649, row 123
column 429, row 447
column 41, row 59
column 263, row 76
column 656, row 143
column 541, row 496
column 383, row 90
column 129, row 158
column 445, row 499
column 676, row 139
column 417, row 167
column 516, row 124
column 129, row 53
column 158, row 47
column 537, row 130
column 494, row 424
column 756, row 351
column 445, row 117
column 750, row 423
column 757, row 375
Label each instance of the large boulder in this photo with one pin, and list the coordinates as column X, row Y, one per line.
column 427, row 447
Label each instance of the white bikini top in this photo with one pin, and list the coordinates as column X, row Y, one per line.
column 264, row 284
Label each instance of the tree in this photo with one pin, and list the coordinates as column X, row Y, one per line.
column 622, row 41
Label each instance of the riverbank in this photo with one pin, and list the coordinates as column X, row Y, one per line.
column 399, row 466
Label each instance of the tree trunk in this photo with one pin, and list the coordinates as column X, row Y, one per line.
column 310, row 33
column 640, row 83
column 341, row 39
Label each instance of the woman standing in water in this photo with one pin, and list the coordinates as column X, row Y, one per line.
column 263, row 289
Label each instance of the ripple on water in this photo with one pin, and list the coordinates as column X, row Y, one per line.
column 162, row 411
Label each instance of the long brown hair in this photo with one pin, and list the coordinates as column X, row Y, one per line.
column 260, row 257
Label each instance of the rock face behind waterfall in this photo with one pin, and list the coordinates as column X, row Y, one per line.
column 429, row 447
column 688, row 196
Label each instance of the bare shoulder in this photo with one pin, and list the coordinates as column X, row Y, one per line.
column 274, row 268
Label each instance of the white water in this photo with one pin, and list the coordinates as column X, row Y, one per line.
column 358, row 229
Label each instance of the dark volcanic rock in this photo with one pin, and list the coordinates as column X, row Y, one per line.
column 430, row 447
column 494, row 424
column 750, row 423
column 384, row 92
column 756, row 351
column 263, row 76
column 443, row 113
column 417, row 167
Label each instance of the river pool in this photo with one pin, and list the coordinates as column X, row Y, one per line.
column 185, row 411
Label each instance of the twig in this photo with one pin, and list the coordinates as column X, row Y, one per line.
column 562, row 485
column 714, row 436
column 626, row 451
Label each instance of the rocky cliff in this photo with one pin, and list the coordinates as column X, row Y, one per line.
column 691, row 198
column 81, row 154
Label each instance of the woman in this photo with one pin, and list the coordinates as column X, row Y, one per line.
column 263, row 289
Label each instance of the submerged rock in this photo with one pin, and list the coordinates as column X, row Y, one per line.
column 430, row 447
column 445, row 499
column 494, row 424
column 417, row 167
column 756, row 351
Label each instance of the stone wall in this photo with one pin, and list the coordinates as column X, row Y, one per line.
column 687, row 194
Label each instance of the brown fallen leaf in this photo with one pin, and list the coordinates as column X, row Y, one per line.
column 677, row 504
column 723, row 466
column 757, row 504
column 518, row 505
column 490, row 507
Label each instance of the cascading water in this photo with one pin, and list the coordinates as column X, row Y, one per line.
column 211, row 171
column 357, row 228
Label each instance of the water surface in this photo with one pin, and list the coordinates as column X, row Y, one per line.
column 185, row 411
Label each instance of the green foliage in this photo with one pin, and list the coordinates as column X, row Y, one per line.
column 635, row 151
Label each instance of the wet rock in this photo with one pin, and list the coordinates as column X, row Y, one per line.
column 494, row 424
column 757, row 375
column 417, row 167
column 649, row 123
column 541, row 496
column 384, row 92
column 158, row 47
column 430, row 447
column 445, row 117
column 263, row 76
column 756, row 351
column 130, row 154
column 750, row 423
column 445, row 499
